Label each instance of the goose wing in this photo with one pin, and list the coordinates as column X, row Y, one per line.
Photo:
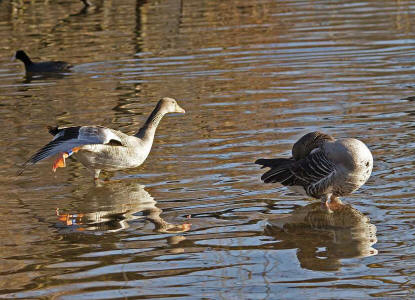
column 65, row 139
column 314, row 172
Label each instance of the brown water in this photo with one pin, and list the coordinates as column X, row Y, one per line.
column 253, row 77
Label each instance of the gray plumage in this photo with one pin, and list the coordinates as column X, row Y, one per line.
column 321, row 167
column 99, row 148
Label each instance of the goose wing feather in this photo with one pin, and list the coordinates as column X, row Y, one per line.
column 314, row 172
column 68, row 138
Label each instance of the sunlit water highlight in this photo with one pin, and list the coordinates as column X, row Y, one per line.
column 253, row 77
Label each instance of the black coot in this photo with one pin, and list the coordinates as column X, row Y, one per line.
column 41, row 67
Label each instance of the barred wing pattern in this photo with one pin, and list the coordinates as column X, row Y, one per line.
column 70, row 137
column 314, row 172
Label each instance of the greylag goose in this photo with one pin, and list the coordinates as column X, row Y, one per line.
column 99, row 148
column 41, row 67
column 322, row 167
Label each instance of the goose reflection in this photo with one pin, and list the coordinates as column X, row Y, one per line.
column 113, row 207
column 323, row 238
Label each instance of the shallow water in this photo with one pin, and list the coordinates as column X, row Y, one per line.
column 253, row 77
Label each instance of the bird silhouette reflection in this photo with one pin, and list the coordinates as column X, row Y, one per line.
column 29, row 78
column 113, row 207
column 323, row 238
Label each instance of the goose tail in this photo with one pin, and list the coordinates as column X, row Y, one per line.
column 279, row 169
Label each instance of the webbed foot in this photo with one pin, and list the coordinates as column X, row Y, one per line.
column 60, row 161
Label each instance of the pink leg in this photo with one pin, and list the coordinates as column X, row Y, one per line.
column 325, row 203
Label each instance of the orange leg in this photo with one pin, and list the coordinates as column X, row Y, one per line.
column 60, row 161
column 186, row 226
column 325, row 205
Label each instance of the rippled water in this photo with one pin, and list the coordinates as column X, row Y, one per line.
column 253, row 77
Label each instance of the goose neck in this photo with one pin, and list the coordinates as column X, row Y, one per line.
column 149, row 128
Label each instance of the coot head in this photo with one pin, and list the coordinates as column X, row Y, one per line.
column 20, row 54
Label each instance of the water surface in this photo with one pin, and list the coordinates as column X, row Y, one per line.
column 253, row 76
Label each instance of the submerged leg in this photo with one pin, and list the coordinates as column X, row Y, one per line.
column 325, row 203
column 335, row 202
column 96, row 174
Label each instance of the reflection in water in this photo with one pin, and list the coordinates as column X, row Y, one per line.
column 115, row 205
column 322, row 238
column 44, row 76
column 254, row 75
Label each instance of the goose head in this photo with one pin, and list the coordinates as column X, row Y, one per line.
column 169, row 105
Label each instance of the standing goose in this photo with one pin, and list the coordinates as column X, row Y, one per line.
column 41, row 67
column 99, row 148
column 322, row 167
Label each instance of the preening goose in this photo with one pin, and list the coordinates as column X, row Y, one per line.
column 41, row 67
column 322, row 167
column 100, row 148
